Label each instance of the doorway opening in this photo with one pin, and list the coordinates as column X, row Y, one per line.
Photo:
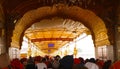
column 58, row 36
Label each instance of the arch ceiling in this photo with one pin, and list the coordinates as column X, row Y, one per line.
column 86, row 17
column 55, row 31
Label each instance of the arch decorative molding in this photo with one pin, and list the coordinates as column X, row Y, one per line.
column 88, row 18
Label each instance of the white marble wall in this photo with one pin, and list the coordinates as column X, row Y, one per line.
column 14, row 53
column 110, row 53
column 105, row 52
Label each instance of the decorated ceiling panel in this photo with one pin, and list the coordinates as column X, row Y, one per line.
column 51, row 34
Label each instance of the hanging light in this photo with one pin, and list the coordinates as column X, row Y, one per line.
column 75, row 50
column 29, row 49
column 66, row 52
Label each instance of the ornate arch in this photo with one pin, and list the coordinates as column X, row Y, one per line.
column 88, row 18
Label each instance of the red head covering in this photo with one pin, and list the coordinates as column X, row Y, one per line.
column 100, row 63
column 76, row 60
column 16, row 64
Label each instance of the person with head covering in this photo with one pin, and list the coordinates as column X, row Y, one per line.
column 16, row 64
column 78, row 64
column 115, row 65
column 100, row 63
column 91, row 64
column 39, row 62
column 77, row 61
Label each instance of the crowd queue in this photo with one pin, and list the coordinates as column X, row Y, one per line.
column 67, row 62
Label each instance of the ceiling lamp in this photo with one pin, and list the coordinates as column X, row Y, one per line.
column 75, row 50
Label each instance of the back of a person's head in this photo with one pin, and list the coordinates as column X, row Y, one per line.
column 22, row 60
column 92, row 60
column 38, row 59
column 82, row 59
column 57, row 57
column 67, row 62
column 43, row 59
column 87, row 60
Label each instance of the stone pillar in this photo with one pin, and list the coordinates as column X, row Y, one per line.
column 2, row 34
column 104, row 52
column 4, row 57
column 96, row 52
column 110, row 53
column 117, row 35
column 101, row 52
column 2, row 45
column 117, row 40
column 14, row 50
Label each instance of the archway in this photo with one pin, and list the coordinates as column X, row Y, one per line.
column 88, row 18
